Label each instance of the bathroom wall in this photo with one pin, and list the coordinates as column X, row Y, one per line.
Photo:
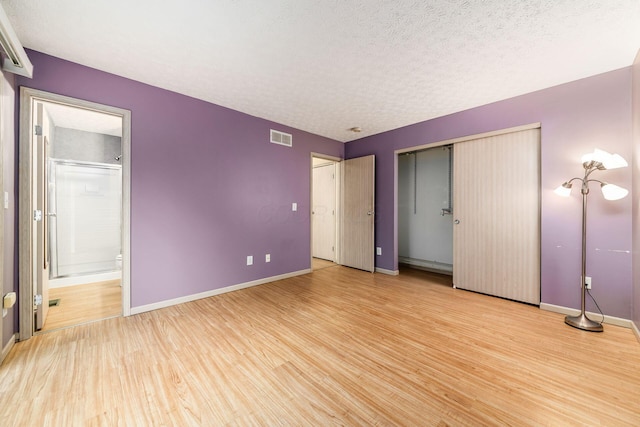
column 73, row 144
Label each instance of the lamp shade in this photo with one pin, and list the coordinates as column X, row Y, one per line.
column 563, row 190
column 616, row 161
column 613, row 192
column 608, row 160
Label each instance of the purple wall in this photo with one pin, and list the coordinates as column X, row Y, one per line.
column 636, row 191
column 207, row 187
column 575, row 118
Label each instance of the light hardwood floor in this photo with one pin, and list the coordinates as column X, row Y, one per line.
column 84, row 303
column 334, row 347
column 319, row 264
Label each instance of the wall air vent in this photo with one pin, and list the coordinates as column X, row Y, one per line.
column 13, row 57
column 281, row 138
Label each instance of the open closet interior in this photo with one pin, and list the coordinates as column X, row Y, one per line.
column 425, row 224
column 471, row 209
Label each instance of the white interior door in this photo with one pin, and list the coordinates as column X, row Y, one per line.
column 323, row 213
column 41, row 268
column 358, row 210
column 496, row 206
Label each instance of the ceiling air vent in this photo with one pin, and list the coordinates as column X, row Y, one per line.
column 281, row 138
column 14, row 59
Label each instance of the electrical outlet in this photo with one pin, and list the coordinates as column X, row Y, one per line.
column 587, row 282
column 267, row 258
column 250, row 260
column 378, row 251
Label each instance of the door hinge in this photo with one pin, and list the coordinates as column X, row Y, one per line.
column 38, row 130
column 37, row 215
column 37, row 300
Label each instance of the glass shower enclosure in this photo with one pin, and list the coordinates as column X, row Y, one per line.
column 85, row 217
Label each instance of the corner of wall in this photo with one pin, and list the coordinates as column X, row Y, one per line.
column 635, row 192
column 7, row 216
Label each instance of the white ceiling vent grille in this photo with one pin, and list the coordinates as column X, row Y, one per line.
column 281, row 138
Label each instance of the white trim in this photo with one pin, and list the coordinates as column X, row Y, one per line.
column 635, row 330
column 469, row 138
column 616, row 321
column 7, row 348
column 389, row 272
column 214, row 292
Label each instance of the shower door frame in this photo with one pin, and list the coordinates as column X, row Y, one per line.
column 53, row 264
column 27, row 187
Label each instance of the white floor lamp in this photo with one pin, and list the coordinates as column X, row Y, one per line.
column 598, row 160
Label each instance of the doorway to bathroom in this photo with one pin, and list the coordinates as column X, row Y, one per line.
column 75, row 213
column 84, row 225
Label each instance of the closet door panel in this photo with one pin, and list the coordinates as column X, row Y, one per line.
column 358, row 208
column 497, row 216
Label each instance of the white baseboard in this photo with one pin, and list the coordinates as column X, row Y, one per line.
column 7, row 348
column 611, row 320
column 389, row 272
column 214, row 292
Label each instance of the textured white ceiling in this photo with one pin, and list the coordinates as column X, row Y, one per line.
column 68, row 117
column 326, row 66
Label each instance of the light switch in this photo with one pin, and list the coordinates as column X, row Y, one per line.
column 250, row 260
column 267, row 258
column 294, row 206
column 9, row 300
column 6, row 200
column 378, row 251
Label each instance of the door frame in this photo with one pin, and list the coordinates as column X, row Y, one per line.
column 398, row 152
column 26, row 189
column 338, row 163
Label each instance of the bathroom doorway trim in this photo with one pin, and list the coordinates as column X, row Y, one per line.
column 26, row 249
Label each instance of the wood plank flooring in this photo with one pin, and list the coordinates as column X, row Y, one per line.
column 319, row 264
column 84, row 303
column 334, row 347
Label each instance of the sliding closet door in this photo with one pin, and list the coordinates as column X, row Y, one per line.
column 497, row 216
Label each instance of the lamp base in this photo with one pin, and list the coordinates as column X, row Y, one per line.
column 583, row 322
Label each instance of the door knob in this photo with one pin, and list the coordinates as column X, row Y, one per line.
column 457, row 221
column 369, row 213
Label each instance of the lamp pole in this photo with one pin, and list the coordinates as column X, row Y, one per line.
column 581, row 321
